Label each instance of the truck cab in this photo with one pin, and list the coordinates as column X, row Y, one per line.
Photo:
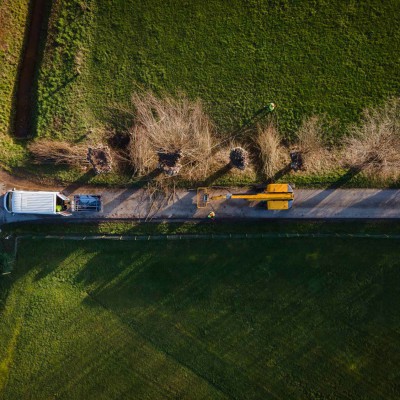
column 31, row 202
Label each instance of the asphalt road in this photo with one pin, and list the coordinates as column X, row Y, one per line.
column 308, row 204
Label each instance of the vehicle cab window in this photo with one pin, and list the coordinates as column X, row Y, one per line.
column 8, row 201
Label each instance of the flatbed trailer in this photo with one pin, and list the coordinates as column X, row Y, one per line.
column 86, row 202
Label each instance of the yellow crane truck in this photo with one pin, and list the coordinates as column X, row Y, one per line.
column 278, row 196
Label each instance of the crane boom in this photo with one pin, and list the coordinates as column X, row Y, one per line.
column 264, row 196
column 279, row 196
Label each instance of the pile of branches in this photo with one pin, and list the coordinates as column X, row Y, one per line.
column 169, row 162
column 238, row 158
column 100, row 159
column 46, row 151
column 173, row 125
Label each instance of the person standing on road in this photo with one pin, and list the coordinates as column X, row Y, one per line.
column 211, row 215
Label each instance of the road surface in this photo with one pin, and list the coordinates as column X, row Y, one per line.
column 308, row 204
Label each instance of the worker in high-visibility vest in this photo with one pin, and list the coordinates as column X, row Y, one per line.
column 211, row 215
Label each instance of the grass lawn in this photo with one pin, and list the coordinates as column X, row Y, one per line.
column 320, row 57
column 317, row 57
column 255, row 319
column 330, row 58
column 13, row 17
column 203, row 227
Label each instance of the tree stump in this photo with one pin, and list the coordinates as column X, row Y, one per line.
column 168, row 162
column 100, row 159
column 238, row 158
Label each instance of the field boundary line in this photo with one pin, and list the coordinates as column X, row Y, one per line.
column 202, row 236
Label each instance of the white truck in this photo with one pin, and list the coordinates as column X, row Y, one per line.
column 49, row 203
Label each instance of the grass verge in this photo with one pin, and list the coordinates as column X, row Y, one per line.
column 202, row 227
column 207, row 319
column 13, row 20
column 309, row 58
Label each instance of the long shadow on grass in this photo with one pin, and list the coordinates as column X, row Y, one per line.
column 149, row 285
column 66, row 82
column 83, row 179
column 217, row 174
column 227, row 309
column 39, row 60
column 29, row 65
column 278, row 175
column 255, row 319
column 146, row 179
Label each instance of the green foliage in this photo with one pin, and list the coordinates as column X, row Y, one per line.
column 12, row 22
column 202, row 227
column 340, row 178
column 13, row 17
column 6, row 266
column 254, row 319
column 307, row 57
column 6, row 262
column 58, row 82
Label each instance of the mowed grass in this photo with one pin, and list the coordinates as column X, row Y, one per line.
column 13, row 19
column 251, row 319
column 317, row 57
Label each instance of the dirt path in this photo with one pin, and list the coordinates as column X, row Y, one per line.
column 21, row 183
column 25, row 94
column 18, row 182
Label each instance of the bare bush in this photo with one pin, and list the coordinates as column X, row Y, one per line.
column 45, row 151
column 374, row 145
column 273, row 154
column 315, row 156
column 170, row 125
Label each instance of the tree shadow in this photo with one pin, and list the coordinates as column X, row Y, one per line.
column 83, row 179
column 119, row 119
column 343, row 180
column 145, row 179
column 347, row 177
column 278, row 175
column 217, row 174
column 66, row 82
column 251, row 122
column 25, row 89
column 188, row 300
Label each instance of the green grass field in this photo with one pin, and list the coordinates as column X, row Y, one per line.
column 13, row 17
column 331, row 227
column 317, row 57
column 330, row 58
column 255, row 319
